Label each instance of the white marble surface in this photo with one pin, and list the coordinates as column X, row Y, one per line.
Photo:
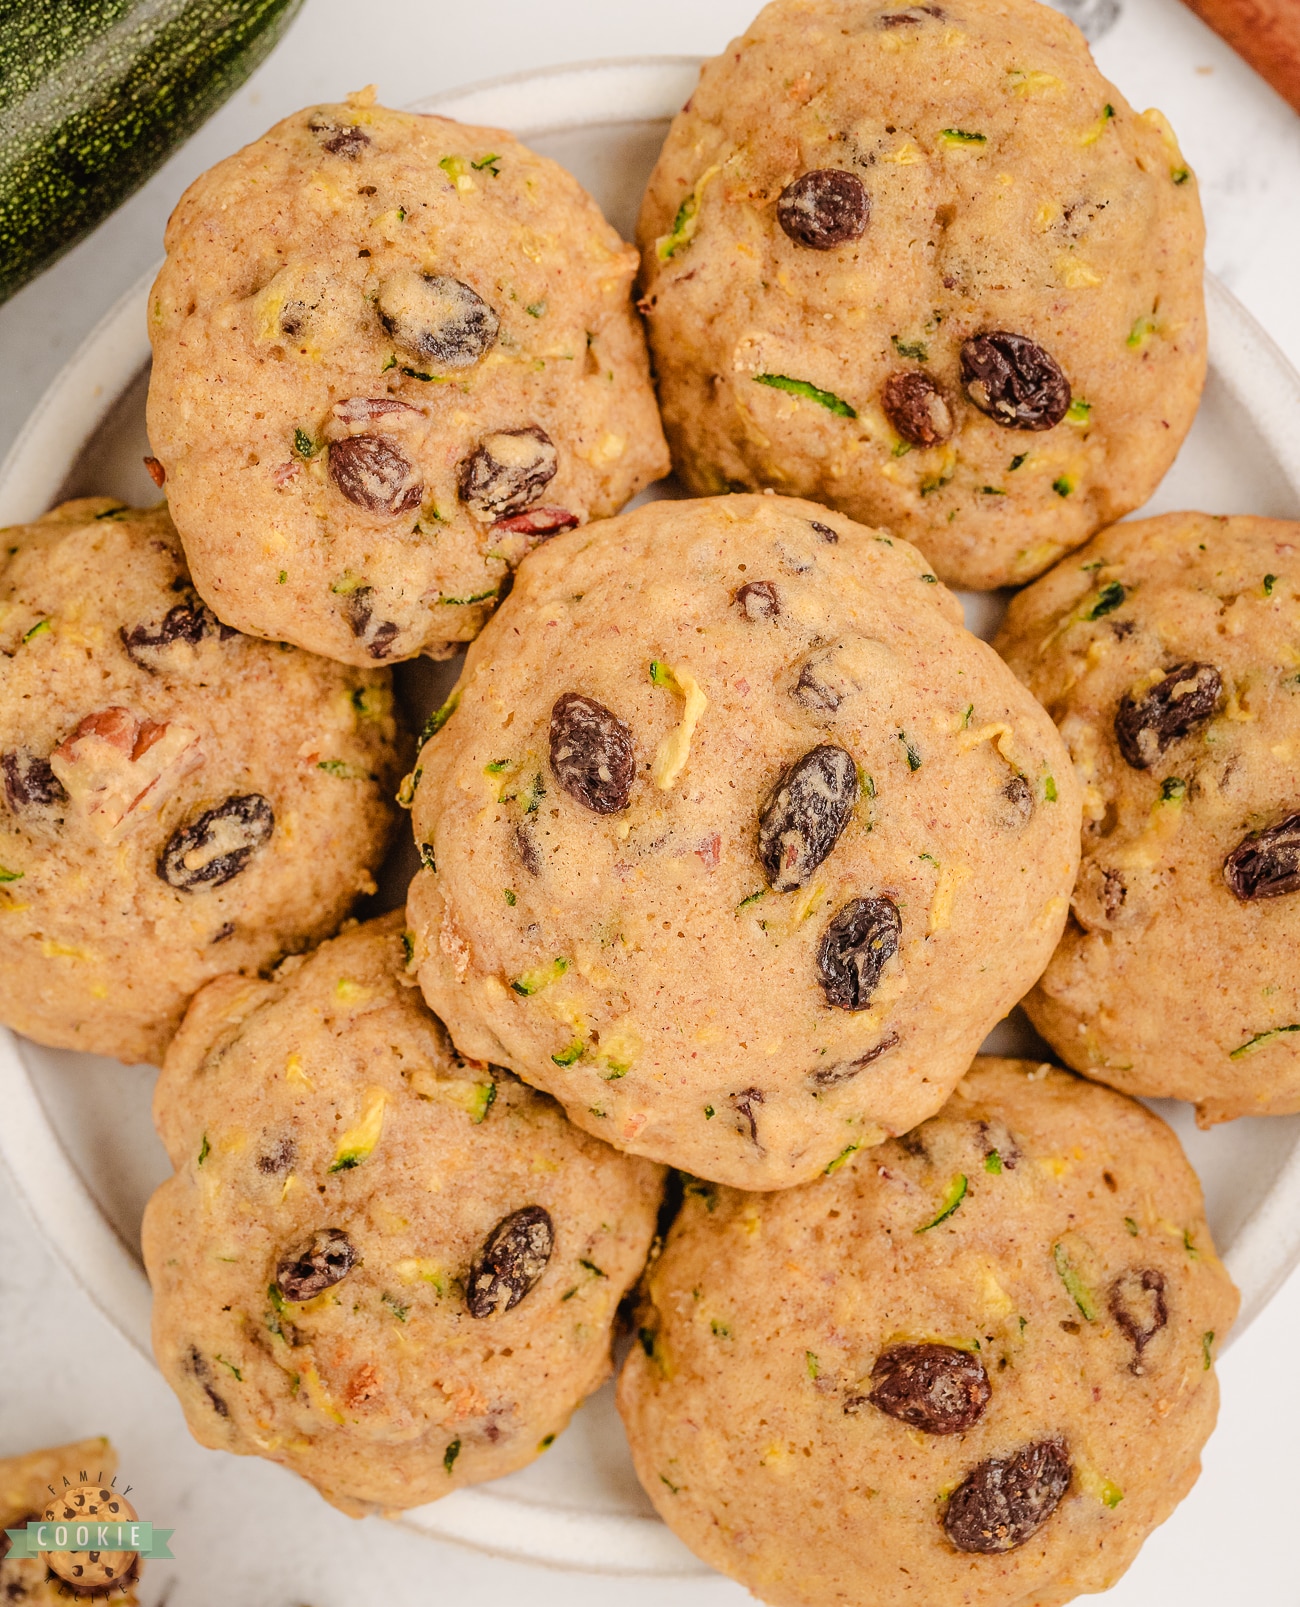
column 65, row 1374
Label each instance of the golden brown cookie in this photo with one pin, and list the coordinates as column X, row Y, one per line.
column 391, row 353
column 923, row 263
column 974, row 1367
column 176, row 800
column 1167, row 653
column 391, row 1269
column 734, row 839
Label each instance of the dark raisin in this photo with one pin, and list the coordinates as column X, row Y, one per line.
column 378, row 635
column 1015, row 803
column 437, row 317
column 917, row 408
column 911, row 18
column 743, row 1103
column 591, row 754
column 278, row 1158
column 1014, row 381
column 30, row 785
column 1266, row 864
column 507, row 472
column 825, row 681
column 513, row 1258
column 758, row 600
column 994, row 1138
column 1001, row 1503
column 375, row 474
column 213, row 849
column 186, row 622
column 829, row 536
column 824, row 209
column 857, row 945
column 527, row 849
column 315, row 1265
column 340, row 139
column 1138, row 1304
column 804, row 814
column 831, row 1076
column 1185, row 698
column 937, row 1388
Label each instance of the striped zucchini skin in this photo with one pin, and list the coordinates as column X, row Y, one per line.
column 96, row 94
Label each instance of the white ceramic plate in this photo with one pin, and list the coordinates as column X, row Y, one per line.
column 76, row 1132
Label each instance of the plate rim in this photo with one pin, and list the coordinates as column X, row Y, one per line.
column 54, row 1194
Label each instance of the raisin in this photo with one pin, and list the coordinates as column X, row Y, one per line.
column 1002, row 1502
column 315, row 1265
column 507, row 472
column 591, row 754
column 527, row 849
column 1014, row 381
column 824, row 209
column 213, row 849
column 911, row 18
column 513, row 1258
column 1015, row 804
column 917, row 408
column 804, row 814
column 825, row 680
column 831, row 1076
column 829, row 536
column 375, row 474
column 743, row 1103
column 340, row 139
column 437, row 317
column 279, row 1158
column 1185, row 698
column 857, row 945
column 758, row 600
column 936, row 1388
column 31, row 787
column 1266, row 864
column 1137, row 1303
column 377, row 635
column 186, row 622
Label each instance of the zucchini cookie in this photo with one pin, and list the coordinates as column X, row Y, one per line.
column 176, row 800
column 736, row 841
column 390, row 354
column 392, row 1270
column 29, row 1485
column 924, row 264
column 974, row 1367
column 1167, row 653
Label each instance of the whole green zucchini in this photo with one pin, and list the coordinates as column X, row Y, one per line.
column 96, row 94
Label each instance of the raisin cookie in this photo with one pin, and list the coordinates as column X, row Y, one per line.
column 391, row 353
column 391, row 1269
column 1167, row 653
column 176, row 800
column 974, row 1367
column 924, row 264
column 28, row 1487
column 736, row 841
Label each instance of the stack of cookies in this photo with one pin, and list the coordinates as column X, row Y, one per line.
column 733, row 842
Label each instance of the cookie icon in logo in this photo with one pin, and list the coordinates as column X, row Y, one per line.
column 92, row 1571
